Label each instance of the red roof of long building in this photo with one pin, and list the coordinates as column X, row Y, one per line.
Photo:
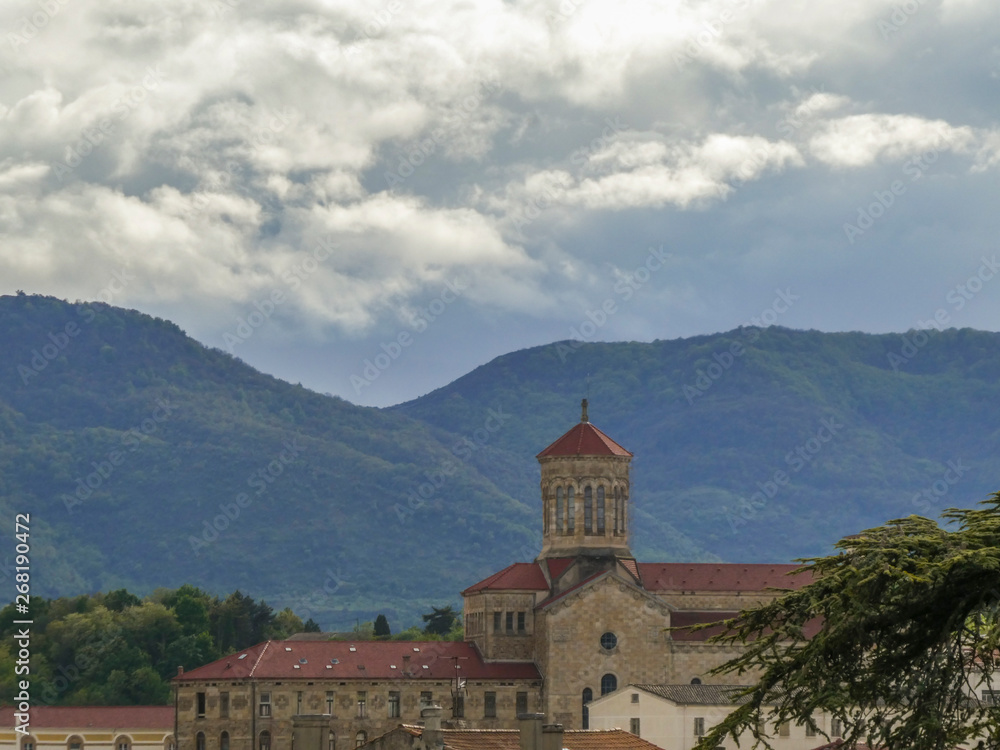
column 524, row 576
column 371, row 660
column 95, row 717
column 510, row 739
column 584, row 439
column 719, row 576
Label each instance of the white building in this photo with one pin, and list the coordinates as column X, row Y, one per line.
column 675, row 717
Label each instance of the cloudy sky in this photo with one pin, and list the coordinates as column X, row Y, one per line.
column 422, row 186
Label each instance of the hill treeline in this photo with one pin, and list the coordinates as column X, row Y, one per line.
column 118, row 649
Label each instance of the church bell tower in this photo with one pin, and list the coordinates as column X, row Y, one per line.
column 585, row 491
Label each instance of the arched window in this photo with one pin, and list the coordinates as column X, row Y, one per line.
column 265, row 740
column 588, row 696
column 331, row 743
column 122, row 743
column 360, row 738
column 588, row 510
column 224, row 741
column 560, row 510
column 600, row 510
column 618, row 504
column 609, row 684
column 199, row 741
column 624, row 523
column 28, row 743
column 546, row 509
column 570, row 511
column 74, row 743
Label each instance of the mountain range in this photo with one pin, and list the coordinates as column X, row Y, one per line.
column 149, row 460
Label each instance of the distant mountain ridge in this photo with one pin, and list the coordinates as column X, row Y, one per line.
column 150, row 460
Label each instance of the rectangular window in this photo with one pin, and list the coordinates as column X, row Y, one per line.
column 223, row 705
column 635, row 697
column 633, row 726
column 784, row 730
column 362, row 704
column 298, row 703
column 329, row 702
column 458, row 706
column 521, row 706
column 991, row 697
column 496, row 622
column 490, row 706
column 810, row 730
column 570, row 512
column 588, row 510
column 265, row 704
column 201, row 705
column 699, row 727
column 393, row 704
column 836, row 728
column 510, row 622
column 426, row 699
column 520, row 622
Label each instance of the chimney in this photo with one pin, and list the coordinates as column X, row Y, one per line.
column 433, row 736
column 552, row 737
column 530, row 726
column 406, row 664
column 180, row 671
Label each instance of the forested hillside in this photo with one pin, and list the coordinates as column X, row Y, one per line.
column 148, row 460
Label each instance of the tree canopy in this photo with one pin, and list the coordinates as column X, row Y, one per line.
column 906, row 638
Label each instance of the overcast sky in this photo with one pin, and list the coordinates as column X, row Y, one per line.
column 305, row 183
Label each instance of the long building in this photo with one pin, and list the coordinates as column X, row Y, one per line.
column 548, row 636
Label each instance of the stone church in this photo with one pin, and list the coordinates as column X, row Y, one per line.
column 549, row 636
column 585, row 612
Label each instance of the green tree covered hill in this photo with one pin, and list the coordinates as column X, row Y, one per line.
column 149, row 460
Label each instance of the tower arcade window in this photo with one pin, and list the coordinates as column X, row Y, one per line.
column 571, row 511
column 618, row 502
column 520, row 622
column 510, row 622
column 588, row 510
column 496, row 622
column 600, row 510
column 560, row 510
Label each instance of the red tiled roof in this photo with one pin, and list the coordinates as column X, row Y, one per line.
column 719, row 576
column 684, row 619
column 509, row 739
column 370, row 660
column 571, row 589
column 96, row 717
column 584, row 439
column 558, row 566
column 527, row 576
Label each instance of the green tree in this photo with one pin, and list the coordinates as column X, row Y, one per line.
column 311, row 626
column 440, row 621
column 286, row 623
column 382, row 627
column 907, row 621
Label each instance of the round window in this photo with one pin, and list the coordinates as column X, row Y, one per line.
column 609, row 641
